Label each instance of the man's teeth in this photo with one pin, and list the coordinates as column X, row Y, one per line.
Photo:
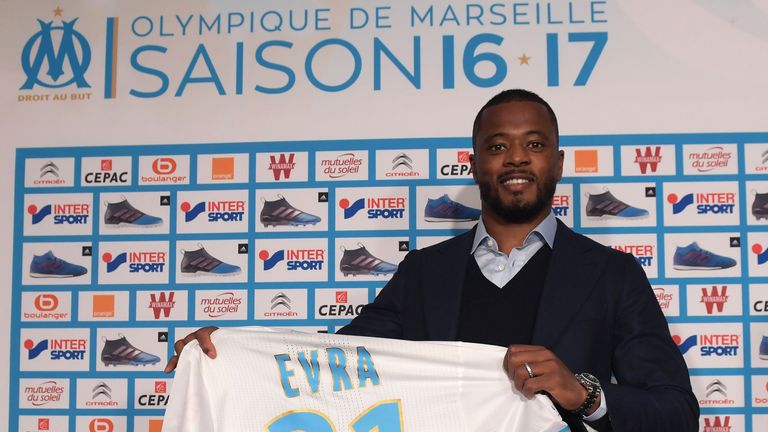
column 516, row 181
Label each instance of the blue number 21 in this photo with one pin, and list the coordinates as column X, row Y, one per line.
column 385, row 416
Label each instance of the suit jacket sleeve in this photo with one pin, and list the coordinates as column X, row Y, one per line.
column 653, row 390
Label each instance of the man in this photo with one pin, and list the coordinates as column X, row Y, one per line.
column 562, row 303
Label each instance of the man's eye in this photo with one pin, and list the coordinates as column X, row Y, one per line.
column 535, row 144
column 496, row 147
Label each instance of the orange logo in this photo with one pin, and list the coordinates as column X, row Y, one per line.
column 155, row 425
column 586, row 161
column 103, row 305
column 222, row 168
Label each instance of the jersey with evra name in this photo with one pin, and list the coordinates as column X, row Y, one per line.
column 286, row 381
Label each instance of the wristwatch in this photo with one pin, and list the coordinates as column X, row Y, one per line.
column 592, row 385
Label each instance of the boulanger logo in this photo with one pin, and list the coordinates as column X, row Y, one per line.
column 167, row 170
column 56, row 56
column 45, row 307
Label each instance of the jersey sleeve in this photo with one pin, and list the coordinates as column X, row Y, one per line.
column 190, row 408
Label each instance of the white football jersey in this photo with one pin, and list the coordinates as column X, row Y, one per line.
column 286, row 381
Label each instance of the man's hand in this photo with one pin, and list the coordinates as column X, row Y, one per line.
column 203, row 337
column 550, row 375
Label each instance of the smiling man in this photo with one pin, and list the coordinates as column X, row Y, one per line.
column 580, row 320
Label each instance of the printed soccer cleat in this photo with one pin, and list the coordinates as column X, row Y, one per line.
column 200, row 262
column 605, row 204
column 124, row 214
column 49, row 266
column 692, row 257
column 760, row 206
column 120, row 352
column 360, row 262
column 279, row 212
column 444, row 209
column 763, row 353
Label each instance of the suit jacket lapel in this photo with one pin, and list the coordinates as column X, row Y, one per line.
column 574, row 267
column 443, row 282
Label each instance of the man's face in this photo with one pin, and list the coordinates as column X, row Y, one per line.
column 517, row 163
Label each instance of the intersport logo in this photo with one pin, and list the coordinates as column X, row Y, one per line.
column 377, row 208
column 138, row 262
column 289, row 260
column 63, row 214
column 217, row 211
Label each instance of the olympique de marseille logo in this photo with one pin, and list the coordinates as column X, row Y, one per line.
column 70, row 59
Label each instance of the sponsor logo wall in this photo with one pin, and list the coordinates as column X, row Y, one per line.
column 302, row 236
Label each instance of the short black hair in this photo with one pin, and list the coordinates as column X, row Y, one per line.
column 513, row 95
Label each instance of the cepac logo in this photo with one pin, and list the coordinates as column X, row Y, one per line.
column 49, row 393
column 648, row 159
column 705, row 202
column 152, row 394
column 106, row 172
column 138, row 262
column 164, row 166
column 44, row 423
column 101, row 425
column 56, row 56
column 217, row 211
column 161, row 304
column 715, row 298
column 710, row 159
column 62, row 214
column 717, row 424
column 719, row 345
column 295, row 259
column 281, row 165
column 59, row 348
column 454, row 163
column 761, row 253
column 337, row 303
column 378, row 208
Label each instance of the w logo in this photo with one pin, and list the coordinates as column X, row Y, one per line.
column 717, row 425
column 282, row 165
column 73, row 52
column 650, row 158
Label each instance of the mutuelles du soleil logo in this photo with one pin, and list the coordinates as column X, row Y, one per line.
column 57, row 56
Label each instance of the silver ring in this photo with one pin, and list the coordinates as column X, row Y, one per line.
column 528, row 368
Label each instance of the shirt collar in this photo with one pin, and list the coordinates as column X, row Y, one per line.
column 545, row 230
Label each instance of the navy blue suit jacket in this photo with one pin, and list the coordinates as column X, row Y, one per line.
column 598, row 314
